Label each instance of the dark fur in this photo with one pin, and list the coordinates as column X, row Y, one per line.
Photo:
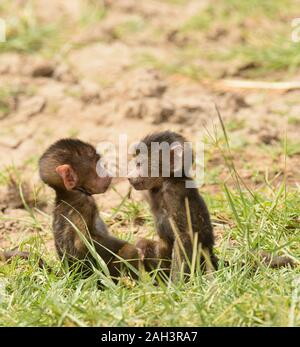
column 155, row 254
column 167, row 197
column 80, row 208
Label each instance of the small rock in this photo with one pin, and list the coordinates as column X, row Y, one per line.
column 192, row 103
column 124, row 5
column 147, row 84
column 217, row 33
column 90, row 92
column 133, row 109
column 236, row 102
column 190, row 109
column 177, row 38
column 268, row 136
column 63, row 73
column 245, row 67
column 16, row 213
column 233, row 102
column 155, row 110
column 44, row 69
column 9, row 226
column 8, row 105
column 11, row 198
column 164, row 110
column 13, row 195
column 32, row 106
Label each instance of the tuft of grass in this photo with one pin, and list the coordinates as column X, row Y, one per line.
column 235, row 12
column 251, row 32
column 293, row 120
column 26, row 33
column 269, row 54
column 181, row 64
column 8, row 95
column 4, row 103
column 293, row 148
column 129, row 28
column 92, row 12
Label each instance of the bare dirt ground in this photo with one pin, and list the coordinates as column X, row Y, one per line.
column 100, row 88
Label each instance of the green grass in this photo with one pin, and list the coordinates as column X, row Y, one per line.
column 269, row 54
column 129, row 28
column 234, row 12
column 28, row 33
column 293, row 148
column 178, row 65
column 249, row 219
column 7, row 94
column 4, row 104
column 262, row 35
column 25, row 32
column 92, row 12
column 231, row 296
column 293, row 120
column 239, row 295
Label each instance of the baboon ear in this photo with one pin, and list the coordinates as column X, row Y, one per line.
column 68, row 176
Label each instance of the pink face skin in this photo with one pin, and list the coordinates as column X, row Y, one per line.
column 98, row 180
column 99, row 185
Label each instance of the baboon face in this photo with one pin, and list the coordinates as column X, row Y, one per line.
column 145, row 173
column 158, row 156
column 74, row 165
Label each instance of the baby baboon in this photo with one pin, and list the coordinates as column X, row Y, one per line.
column 169, row 199
column 70, row 166
column 180, row 213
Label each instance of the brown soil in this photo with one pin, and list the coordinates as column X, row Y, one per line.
column 98, row 91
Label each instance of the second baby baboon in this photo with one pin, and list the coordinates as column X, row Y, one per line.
column 169, row 199
column 69, row 166
column 180, row 213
